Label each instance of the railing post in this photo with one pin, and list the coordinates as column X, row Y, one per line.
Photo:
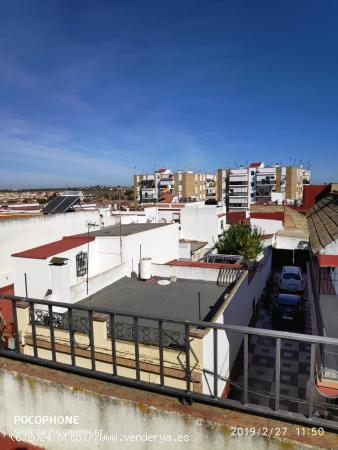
column 32, row 314
column 91, row 339
column 113, row 342
column 137, row 350
column 215, row 330
column 71, row 335
column 16, row 328
column 278, row 349
column 187, row 357
column 51, row 329
column 246, row 368
column 160, row 344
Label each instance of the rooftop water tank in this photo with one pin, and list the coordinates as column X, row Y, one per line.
column 145, row 268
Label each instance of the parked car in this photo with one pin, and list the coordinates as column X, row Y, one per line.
column 288, row 312
column 303, row 245
column 291, row 279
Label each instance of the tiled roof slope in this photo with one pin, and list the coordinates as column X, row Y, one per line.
column 54, row 248
column 322, row 220
column 292, row 219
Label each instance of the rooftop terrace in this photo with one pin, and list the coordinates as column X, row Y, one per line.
column 125, row 230
column 177, row 300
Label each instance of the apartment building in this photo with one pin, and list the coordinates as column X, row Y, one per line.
column 237, row 188
column 221, row 185
column 149, row 188
column 184, row 186
column 263, row 184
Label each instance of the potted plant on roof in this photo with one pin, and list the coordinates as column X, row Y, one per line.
column 242, row 239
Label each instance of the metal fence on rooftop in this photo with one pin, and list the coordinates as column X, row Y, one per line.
column 80, row 322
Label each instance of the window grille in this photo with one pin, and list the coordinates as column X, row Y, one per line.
column 81, row 264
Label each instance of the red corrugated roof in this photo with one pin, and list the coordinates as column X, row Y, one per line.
column 311, row 192
column 234, row 217
column 255, row 164
column 54, row 248
column 268, row 215
column 328, row 260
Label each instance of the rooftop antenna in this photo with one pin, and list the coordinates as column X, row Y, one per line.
column 89, row 224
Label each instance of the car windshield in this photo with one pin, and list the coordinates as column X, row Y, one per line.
column 291, row 276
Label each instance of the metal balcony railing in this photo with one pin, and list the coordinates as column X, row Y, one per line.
column 160, row 332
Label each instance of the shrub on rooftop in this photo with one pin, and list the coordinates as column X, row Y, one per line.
column 241, row 239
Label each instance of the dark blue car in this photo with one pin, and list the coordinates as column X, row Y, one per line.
column 288, row 312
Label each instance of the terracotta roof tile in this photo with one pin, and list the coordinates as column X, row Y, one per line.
column 322, row 220
column 54, row 248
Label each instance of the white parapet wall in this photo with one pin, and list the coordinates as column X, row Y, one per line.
column 202, row 223
column 187, row 272
column 74, row 412
column 238, row 309
column 98, row 282
column 267, row 226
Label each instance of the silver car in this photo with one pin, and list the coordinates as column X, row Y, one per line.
column 291, row 279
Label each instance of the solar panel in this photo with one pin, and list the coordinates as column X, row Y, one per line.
column 60, row 204
column 52, row 205
column 68, row 202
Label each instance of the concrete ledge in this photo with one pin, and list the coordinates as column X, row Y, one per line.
column 209, row 418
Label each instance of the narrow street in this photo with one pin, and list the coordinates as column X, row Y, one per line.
column 295, row 365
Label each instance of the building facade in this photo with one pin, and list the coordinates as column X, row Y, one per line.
column 183, row 186
column 237, row 188
column 264, row 184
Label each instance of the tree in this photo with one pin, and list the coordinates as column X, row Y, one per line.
column 241, row 239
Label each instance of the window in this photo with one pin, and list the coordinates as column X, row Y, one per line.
column 252, row 172
column 81, row 264
column 222, row 224
column 291, row 276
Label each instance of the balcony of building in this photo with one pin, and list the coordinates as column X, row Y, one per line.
column 234, row 182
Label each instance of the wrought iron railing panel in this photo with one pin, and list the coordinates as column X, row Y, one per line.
column 61, row 320
column 148, row 335
column 169, row 333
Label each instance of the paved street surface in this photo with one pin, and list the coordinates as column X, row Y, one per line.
column 295, row 367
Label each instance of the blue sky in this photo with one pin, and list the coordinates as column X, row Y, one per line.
column 91, row 90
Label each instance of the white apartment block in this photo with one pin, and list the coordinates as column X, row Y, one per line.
column 263, row 184
column 237, row 188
